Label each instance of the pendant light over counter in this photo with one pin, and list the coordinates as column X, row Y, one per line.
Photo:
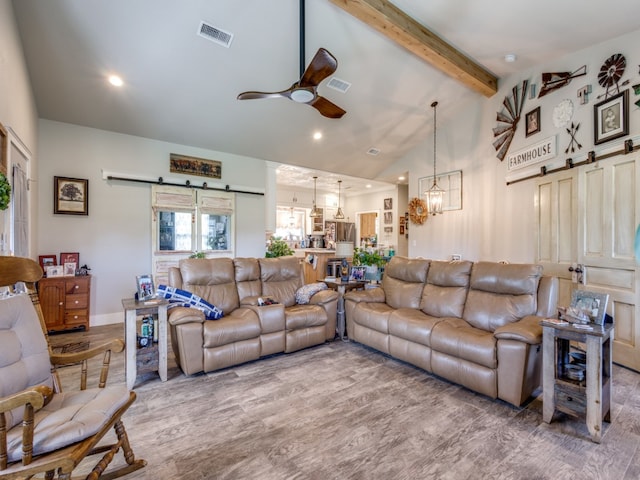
column 339, row 214
column 435, row 195
column 314, row 211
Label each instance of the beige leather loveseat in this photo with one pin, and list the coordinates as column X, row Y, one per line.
column 247, row 331
column 475, row 324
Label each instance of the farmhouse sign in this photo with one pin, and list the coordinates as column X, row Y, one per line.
column 538, row 152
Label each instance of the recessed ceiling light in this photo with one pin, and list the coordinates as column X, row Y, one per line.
column 317, row 135
column 115, row 80
column 368, row 185
column 401, row 178
column 510, row 57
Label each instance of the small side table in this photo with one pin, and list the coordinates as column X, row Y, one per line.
column 132, row 309
column 342, row 287
column 590, row 397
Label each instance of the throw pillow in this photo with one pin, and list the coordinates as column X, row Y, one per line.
column 183, row 298
column 304, row 293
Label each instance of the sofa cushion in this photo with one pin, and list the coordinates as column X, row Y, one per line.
column 411, row 324
column 445, row 293
column 501, row 294
column 247, row 277
column 404, row 280
column 373, row 315
column 241, row 324
column 281, row 277
column 69, row 417
column 303, row 316
column 459, row 339
column 212, row 279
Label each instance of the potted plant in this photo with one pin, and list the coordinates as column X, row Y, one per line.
column 278, row 248
column 5, row 192
column 371, row 259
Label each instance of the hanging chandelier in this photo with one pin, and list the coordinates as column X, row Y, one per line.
column 314, row 211
column 435, row 195
column 339, row 214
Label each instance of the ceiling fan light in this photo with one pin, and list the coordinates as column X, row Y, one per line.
column 302, row 96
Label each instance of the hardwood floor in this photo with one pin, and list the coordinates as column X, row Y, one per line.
column 343, row 411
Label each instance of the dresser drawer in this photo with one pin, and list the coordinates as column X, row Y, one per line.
column 77, row 285
column 79, row 300
column 73, row 317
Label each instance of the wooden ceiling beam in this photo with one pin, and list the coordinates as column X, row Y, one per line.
column 392, row 22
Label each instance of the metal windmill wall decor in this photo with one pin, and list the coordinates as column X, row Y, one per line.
column 504, row 133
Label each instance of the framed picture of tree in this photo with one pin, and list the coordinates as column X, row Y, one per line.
column 70, row 196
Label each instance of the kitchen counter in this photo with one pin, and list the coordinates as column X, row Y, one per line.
column 311, row 274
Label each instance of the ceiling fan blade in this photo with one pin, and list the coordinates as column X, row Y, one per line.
column 327, row 108
column 256, row 95
column 322, row 65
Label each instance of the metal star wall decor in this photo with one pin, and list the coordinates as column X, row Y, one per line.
column 504, row 133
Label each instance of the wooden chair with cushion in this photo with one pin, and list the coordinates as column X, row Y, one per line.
column 42, row 429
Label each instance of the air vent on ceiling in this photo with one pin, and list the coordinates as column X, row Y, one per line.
column 373, row 151
column 215, row 34
column 338, row 84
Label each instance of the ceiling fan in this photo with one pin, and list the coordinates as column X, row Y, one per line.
column 305, row 90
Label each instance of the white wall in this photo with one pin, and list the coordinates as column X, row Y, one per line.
column 17, row 105
column 115, row 238
column 497, row 221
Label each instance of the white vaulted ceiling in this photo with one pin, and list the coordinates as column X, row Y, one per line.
column 182, row 88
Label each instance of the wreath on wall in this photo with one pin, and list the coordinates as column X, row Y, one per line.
column 418, row 211
column 5, row 192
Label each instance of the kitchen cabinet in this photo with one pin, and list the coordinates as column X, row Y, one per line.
column 65, row 302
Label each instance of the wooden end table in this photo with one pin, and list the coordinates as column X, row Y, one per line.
column 342, row 287
column 132, row 309
column 590, row 397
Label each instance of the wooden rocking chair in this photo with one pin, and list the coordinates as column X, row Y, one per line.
column 42, row 429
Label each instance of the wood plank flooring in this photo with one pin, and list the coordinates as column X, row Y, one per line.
column 343, row 411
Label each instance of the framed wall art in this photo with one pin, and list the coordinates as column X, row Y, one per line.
column 70, row 196
column 532, row 122
column 195, row 166
column 388, row 203
column 611, row 118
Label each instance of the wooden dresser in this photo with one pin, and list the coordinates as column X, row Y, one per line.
column 65, row 302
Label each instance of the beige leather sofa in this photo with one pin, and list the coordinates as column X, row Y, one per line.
column 475, row 324
column 247, row 331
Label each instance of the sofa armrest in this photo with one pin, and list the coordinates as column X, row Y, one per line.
column 527, row 330
column 323, row 297
column 181, row 315
column 374, row 295
column 249, row 301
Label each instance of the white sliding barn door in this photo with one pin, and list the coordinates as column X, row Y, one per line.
column 608, row 219
column 557, row 228
column 587, row 217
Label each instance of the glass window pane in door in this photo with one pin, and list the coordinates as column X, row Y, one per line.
column 216, row 232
